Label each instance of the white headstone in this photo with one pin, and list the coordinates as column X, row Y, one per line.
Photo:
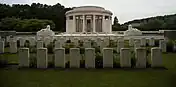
column 156, row 57
column 87, row 44
column 131, row 42
column 32, row 41
column 60, row 57
column 57, row 44
column 13, row 47
column 125, row 58
column 74, row 58
column 140, row 58
column 2, row 46
column 90, row 57
column 47, row 41
column 143, row 42
column 107, row 58
column 39, row 44
column 162, row 45
column 24, row 57
column 151, row 42
column 102, row 45
column 120, row 44
column 22, row 42
column 42, row 58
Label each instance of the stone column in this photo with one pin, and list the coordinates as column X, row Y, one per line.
column 125, row 58
column 74, row 24
column 103, row 23
column 108, row 58
column 137, row 44
column 83, row 23
column 74, row 58
column 90, row 57
column 13, row 46
column 156, row 57
column 60, row 57
column 94, row 24
column 42, row 58
column 140, row 58
column 2, row 47
column 23, row 57
column 162, row 45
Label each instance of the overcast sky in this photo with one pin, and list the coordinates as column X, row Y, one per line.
column 125, row 10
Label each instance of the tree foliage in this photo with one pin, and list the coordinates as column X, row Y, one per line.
column 167, row 22
column 25, row 25
column 55, row 13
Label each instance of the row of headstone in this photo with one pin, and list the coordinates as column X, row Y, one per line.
column 75, row 57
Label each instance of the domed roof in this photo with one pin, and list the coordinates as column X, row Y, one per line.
column 83, row 9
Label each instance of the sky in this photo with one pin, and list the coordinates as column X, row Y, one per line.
column 125, row 10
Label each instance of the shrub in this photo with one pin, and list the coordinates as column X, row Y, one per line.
column 99, row 61
column 18, row 43
column 82, row 63
column 157, row 43
column 82, row 50
column 51, row 63
column 50, row 48
column 3, row 63
column 170, row 46
column 133, row 60
column 33, row 62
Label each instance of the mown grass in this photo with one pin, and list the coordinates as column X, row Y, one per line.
column 13, row 77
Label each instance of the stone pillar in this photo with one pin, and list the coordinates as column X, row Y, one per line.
column 94, row 24
column 39, row 44
column 108, row 58
column 125, row 58
column 74, row 24
column 87, row 44
column 42, row 58
column 162, row 45
column 151, row 42
column 2, row 47
column 120, row 44
column 60, row 57
column 156, row 57
column 13, row 46
column 143, row 42
column 90, row 57
column 83, row 23
column 57, row 44
column 103, row 23
column 140, row 58
column 24, row 57
column 22, row 42
column 74, row 58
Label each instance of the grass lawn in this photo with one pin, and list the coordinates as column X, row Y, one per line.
column 13, row 77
